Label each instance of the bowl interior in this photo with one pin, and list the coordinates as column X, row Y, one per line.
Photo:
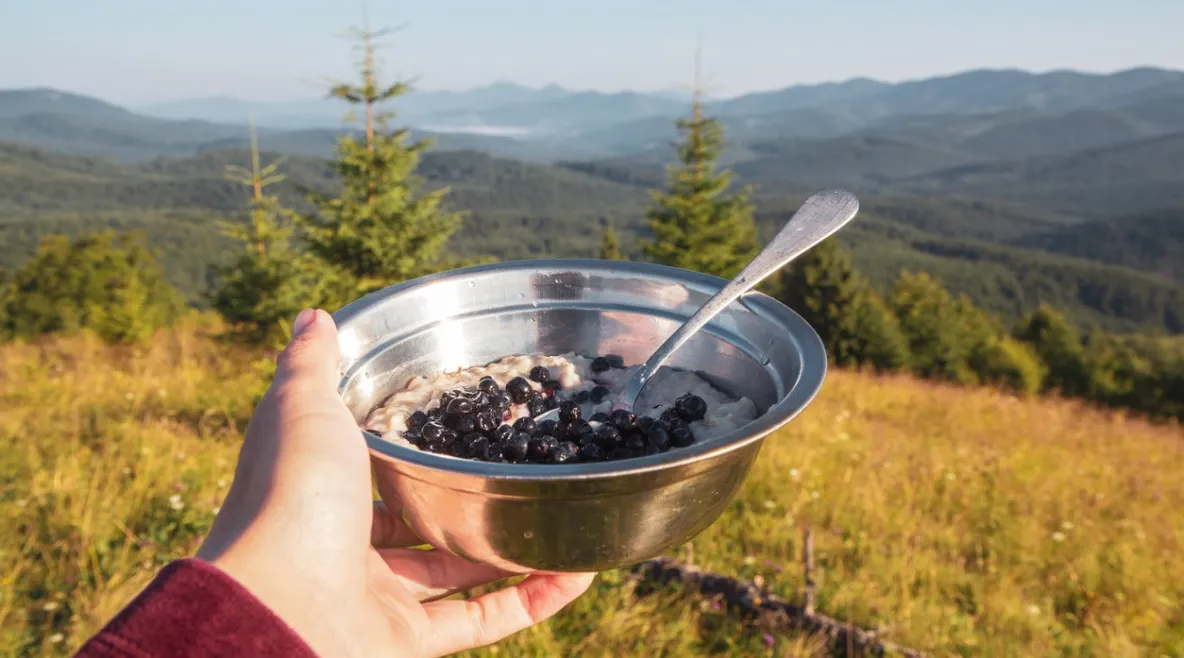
column 756, row 347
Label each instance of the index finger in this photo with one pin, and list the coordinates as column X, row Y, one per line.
column 459, row 625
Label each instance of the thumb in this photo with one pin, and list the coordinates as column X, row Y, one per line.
column 310, row 360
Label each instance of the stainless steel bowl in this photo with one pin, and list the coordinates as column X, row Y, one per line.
column 572, row 517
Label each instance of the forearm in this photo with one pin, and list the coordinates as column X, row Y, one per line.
column 193, row 610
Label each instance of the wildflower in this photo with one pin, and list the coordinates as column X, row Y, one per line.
column 180, row 456
column 749, row 560
column 1058, row 536
column 770, row 504
column 221, row 483
column 176, row 503
column 793, row 473
column 50, row 606
column 950, row 476
column 715, row 604
column 56, row 638
column 1066, row 525
column 1033, row 609
column 216, row 510
column 769, row 640
column 815, row 495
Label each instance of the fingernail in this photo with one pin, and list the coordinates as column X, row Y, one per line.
column 303, row 321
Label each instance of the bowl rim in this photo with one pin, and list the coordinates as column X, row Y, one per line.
column 801, row 393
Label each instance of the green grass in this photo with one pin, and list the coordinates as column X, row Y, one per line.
column 960, row 522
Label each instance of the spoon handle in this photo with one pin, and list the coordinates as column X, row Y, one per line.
column 818, row 218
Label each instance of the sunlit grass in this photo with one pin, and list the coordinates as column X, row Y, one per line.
column 958, row 522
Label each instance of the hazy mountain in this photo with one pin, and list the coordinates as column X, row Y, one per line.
column 325, row 112
column 1152, row 241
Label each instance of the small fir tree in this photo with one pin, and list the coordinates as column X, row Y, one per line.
column 609, row 244
column 380, row 229
column 696, row 225
column 262, row 289
column 823, row 287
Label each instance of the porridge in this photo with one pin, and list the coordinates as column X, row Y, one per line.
column 487, row 412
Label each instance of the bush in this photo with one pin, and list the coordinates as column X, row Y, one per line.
column 107, row 282
column 1008, row 363
column 879, row 341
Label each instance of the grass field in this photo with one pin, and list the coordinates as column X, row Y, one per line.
column 961, row 522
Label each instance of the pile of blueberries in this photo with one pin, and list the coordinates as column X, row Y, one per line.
column 468, row 424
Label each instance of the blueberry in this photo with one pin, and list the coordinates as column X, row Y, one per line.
column 435, row 413
column 552, row 403
column 562, row 430
column 449, row 396
column 494, row 452
column 569, row 411
column 503, row 432
column 466, row 424
column 659, row 438
column 540, row 449
column 519, row 390
column 547, row 427
column 417, row 420
column 486, row 423
column 475, row 445
column 679, row 423
column 431, row 432
column 668, row 415
column 682, row 437
column 488, row 386
column 537, row 407
column 540, row 374
column 598, row 417
column 691, row 407
column 645, row 423
column 435, row 447
column 623, row 420
column 599, row 393
column 527, row 425
column 615, row 360
column 414, row 438
column 499, row 403
column 565, row 452
column 449, row 436
column 551, row 386
column 581, row 397
column 634, row 442
column 590, row 452
column 479, row 399
column 600, row 364
column 586, row 432
column 517, row 446
column 620, row 453
column 651, row 450
column 607, row 435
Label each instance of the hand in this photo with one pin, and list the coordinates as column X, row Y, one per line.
column 300, row 531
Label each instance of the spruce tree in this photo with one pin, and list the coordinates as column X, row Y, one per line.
column 381, row 228
column 262, row 289
column 696, row 225
column 609, row 245
column 823, row 287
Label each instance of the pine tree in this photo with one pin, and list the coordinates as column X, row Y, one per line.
column 823, row 287
column 261, row 290
column 696, row 225
column 381, row 229
column 609, row 246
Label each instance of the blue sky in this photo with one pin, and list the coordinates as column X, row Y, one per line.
column 140, row 51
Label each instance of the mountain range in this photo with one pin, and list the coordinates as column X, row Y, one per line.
column 1012, row 187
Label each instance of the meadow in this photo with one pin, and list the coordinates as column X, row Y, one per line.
column 960, row 522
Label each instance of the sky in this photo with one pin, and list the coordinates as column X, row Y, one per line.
column 144, row 51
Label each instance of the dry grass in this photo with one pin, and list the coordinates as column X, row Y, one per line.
column 960, row 522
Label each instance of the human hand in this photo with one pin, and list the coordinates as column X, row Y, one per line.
column 300, row 531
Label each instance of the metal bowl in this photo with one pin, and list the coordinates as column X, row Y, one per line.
column 571, row 517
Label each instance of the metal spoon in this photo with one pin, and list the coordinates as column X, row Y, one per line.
column 820, row 216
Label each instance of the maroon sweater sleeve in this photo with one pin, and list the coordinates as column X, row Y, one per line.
column 194, row 610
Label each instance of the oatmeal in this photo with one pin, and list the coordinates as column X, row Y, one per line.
column 488, row 412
